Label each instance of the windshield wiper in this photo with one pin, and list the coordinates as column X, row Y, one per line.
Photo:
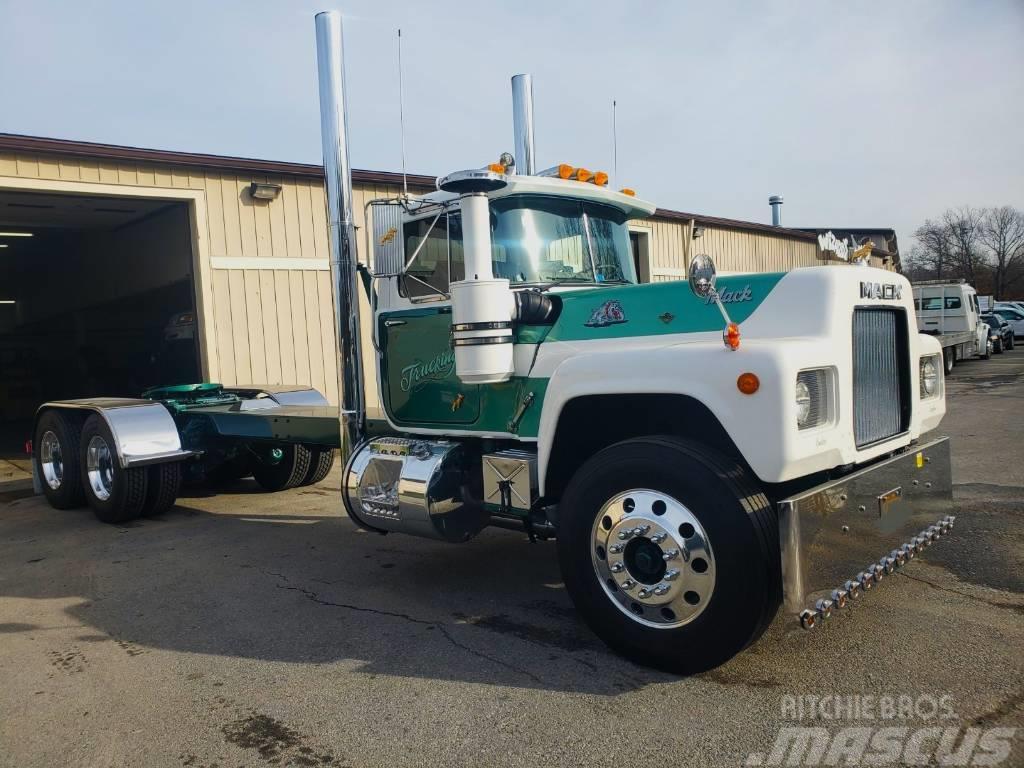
column 564, row 281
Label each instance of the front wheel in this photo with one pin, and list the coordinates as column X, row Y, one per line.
column 948, row 360
column 997, row 346
column 1009, row 343
column 670, row 552
column 988, row 350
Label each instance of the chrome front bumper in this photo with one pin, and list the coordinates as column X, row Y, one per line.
column 840, row 539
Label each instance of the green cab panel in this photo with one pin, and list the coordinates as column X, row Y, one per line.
column 418, row 368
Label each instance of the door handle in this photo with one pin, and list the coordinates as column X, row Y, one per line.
column 393, row 323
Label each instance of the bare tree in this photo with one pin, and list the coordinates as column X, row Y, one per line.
column 933, row 253
column 1002, row 232
column 963, row 227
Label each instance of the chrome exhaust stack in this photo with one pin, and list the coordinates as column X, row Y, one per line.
column 338, row 178
column 524, row 151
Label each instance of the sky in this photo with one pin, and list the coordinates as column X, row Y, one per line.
column 875, row 114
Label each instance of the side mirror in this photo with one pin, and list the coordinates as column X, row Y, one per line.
column 702, row 275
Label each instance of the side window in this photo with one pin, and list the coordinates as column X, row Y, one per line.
column 435, row 265
column 953, row 302
column 931, row 302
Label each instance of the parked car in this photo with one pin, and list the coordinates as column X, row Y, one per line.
column 1000, row 332
column 1015, row 317
column 1018, row 305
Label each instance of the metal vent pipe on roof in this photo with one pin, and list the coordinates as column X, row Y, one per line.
column 775, row 201
column 338, row 177
column 524, row 151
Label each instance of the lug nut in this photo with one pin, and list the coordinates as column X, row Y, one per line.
column 626, row 534
column 616, row 567
column 824, row 608
column 852, row 589
column 670, row 554
column 659, row 537
column 671, row 575
column 628, row 584
column 839, row 598
column 808, row 618
column 661, row 589
column 615, row 548
column 645, row 592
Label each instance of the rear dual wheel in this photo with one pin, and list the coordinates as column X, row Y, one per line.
column 289, row 466
column 670, row 552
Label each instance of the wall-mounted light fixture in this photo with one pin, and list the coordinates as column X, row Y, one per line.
column 15, row 234
column 262, row 190
column 3, row 245
column 698, row 231
column 7, row 301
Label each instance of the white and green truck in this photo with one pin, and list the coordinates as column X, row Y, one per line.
column 703, row 451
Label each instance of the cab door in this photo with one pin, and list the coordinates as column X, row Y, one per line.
column 419, row 384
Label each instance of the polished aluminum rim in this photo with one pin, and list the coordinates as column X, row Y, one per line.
column 99, row 465
column 653, row 558
column 51, row 459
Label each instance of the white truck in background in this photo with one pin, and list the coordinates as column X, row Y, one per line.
column 949, row 311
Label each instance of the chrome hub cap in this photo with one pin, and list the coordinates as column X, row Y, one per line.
column 51, row 460
column 99, row 466
column 653, row 558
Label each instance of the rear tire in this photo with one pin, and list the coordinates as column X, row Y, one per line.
column 55, row 454
column 948, row 360
column 162, row 488
column 727, row 585
column 286, row 473
column 1009, row 343
column 115, row 494
column 321, row 461
column 988, row 350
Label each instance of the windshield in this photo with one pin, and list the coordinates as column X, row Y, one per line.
column 537, row 239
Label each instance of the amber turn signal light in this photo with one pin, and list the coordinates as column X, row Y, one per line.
column 748, row 383
column 731, row 336
column 496, row 167
column 582, row 174
column 565, row 171
column 628, row 191
column 601, row 179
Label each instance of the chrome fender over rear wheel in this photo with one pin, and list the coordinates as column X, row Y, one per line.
column 670, row 552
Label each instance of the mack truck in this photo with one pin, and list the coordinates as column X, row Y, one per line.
column 704, row 453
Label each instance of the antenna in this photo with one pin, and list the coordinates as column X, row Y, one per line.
column 615, row 141
column 401, row 115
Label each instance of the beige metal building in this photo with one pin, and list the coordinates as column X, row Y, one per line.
column 133, row 247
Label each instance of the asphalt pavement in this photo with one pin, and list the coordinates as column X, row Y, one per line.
column 245, row 629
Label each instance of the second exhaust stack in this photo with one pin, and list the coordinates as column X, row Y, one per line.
column 524, row 150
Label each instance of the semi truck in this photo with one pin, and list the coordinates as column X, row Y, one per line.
column 704, row 453
column 949, row 311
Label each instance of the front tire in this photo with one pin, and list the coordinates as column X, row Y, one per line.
column 948, row 360
column 115, row 494
column 997, row 346
column 669, row 550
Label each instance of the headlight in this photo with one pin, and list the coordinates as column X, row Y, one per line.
column 929, row 376
column 812, row 398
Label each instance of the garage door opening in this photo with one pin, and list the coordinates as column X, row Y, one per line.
column 96, row 298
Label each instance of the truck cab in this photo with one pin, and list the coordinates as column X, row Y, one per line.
column 950, row 312
column 702, row 451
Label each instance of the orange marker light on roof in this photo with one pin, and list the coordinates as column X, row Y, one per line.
column 628, row 191
column 601, row 179
column 748, row 383
column 582, row 174
column 565, row 171
column 496, row 167
column 731, row 336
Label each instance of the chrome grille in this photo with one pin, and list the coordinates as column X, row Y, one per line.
column 880, row 374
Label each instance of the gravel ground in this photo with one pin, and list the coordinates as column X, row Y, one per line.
column 246, row 629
